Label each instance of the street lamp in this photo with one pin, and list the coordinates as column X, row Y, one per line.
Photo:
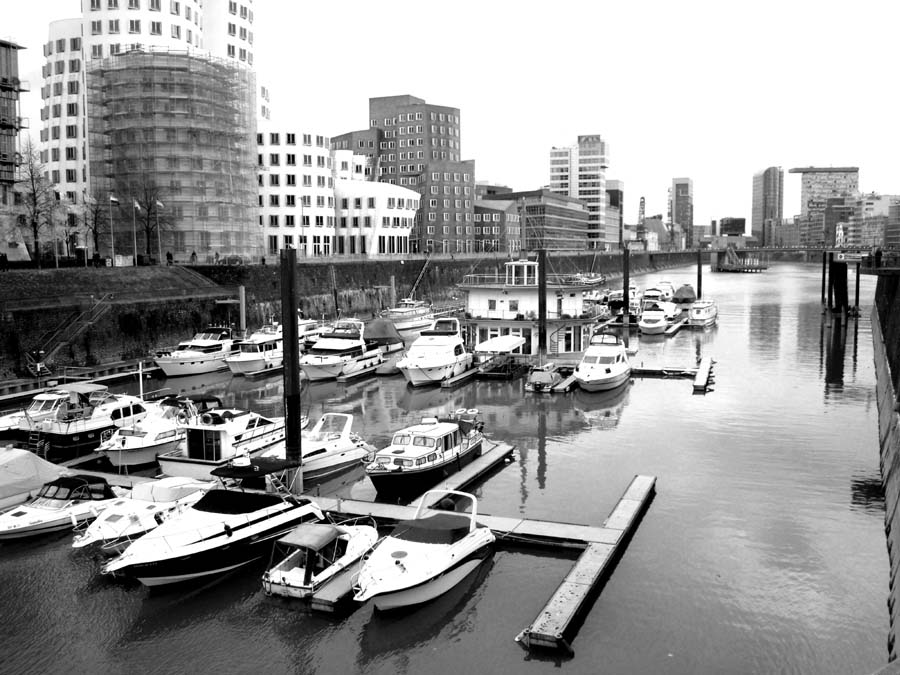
column 135, row 207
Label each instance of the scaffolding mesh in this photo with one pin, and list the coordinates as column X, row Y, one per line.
column 184, row 124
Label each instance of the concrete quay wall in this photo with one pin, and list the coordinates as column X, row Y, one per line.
column 886, row 338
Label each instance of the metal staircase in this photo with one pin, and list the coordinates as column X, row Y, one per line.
column 36, row 361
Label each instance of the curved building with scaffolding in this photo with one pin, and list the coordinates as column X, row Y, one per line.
column 171, row 151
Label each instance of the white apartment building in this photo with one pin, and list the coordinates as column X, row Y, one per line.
column 220, row 28
column 320, row 202
column 580, row 171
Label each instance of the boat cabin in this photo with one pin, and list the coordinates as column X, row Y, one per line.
column 220, row 432
column 77, row 487
column 423, row 444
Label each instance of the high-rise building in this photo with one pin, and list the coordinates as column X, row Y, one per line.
column 681, row 209
column 819, row 184
column 615, row 213
column 580, row 171
column 768, row 204
column 11, row 123
column 108, row 30
column 419, row 147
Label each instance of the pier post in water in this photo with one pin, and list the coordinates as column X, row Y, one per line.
column 291, row 363
column 626, row 295
column 699, row 273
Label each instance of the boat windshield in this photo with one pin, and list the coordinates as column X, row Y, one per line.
column 401, row 439
column 44, row 405
column 606, row 359
column 423, row 442
column 249, row 348
column 51, row 491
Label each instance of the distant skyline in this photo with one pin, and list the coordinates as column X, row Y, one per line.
column 714, row 92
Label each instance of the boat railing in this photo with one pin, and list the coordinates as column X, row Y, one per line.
column 500, row 279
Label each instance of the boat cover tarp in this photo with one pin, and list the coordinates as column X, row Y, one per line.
column 685, row 293
column 314, row 536
column 166, row 489
column 234, row 502
column 439, row 528
column 23, row 471
column 502, row 344
column 382, row 331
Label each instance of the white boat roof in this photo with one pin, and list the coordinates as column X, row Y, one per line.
column 311, row 535
column 431, row 429
column 167, row 489
column 501, row 344
column 77, row 387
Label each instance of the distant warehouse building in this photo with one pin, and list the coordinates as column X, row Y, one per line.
column 548, row 220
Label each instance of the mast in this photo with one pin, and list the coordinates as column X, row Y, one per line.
column 542, row 302
column 412, row 291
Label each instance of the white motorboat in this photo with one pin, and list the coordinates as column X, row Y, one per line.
column 263, row 350
column 162, row 430
column 703, row 313
column 60, row 505
column 421, row 455
column 542, row 378
column 309, row 330
column 425, row 557
column 330, row 447
column 666, row 289
column 312, row 554
column 226, row 529
column 22, row 475
column 217, row 437
column 436, row 355
column 204, row 353
column 14, row 426
column 653, row 321
column 342, row 352
column 79, row 428
column 410, row 314
column 604, row 364
column 148, row 505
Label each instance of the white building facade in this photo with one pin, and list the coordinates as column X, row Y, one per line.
column 319, row 201
column 580, row 171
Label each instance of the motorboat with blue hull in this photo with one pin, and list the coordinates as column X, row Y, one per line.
column 423, row 558
column 422, row 455
column 229, row 527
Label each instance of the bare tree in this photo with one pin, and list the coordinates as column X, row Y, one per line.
column 96, row 216
column 39, row 203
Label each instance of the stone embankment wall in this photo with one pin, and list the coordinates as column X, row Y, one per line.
column 145, row 323
column 886, row 338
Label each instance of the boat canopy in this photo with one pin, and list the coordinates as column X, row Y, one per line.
column 502, row 344
column 314, row 536
column 165, row 490
column 440, row 528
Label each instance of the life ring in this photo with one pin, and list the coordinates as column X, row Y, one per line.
column 460, row 411
column 181, row 417
column 472, row 411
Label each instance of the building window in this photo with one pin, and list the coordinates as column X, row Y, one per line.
column 96, row 28
column 291, row 159
column 175, row 8
column 273, row 221
column 155, row 5
column 71, row 131
column 72, row 109
column 112, row 4
column 291, row 139
column 176, row 32
column 96, row 53
column 274, row 179
column 134, row 4
column 273, row 200
column 134, row 25
column 291, row 179
column 273, row 159
column 95, row 5
column 156, row 28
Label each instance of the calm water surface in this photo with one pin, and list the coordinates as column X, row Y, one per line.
column 762, row 552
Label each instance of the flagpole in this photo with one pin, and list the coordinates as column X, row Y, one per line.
column 134, row 232
column 112, row 233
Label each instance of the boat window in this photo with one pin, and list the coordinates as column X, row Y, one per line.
column 589, row 360
column 448, row 443
column 420, row 461
column 54, row 492
column 423, row 442
column 432, row 457
column 314, row 453
column 400, row 439
column 137, row 433
column 458, row 350
column 606, row 359
column 399, row 461
column 263, row 421
column 113, row 518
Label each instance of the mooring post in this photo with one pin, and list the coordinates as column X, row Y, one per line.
column 626, row 295
column 699, row 273
column 542, row 302
column 856, row 295
column 291, row 363
column 824, row 274
column 830, row 258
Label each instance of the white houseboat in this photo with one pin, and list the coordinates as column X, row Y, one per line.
column 507, row 304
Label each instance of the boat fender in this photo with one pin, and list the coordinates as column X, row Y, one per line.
column 228, row 531
column 206, row 418
column 181, row 417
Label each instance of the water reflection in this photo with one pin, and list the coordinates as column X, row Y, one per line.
column 867, row 493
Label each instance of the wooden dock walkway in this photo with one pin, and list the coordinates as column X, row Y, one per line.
column 553, row 627
column 704, row 377
column 567, row 384
column 677, row 326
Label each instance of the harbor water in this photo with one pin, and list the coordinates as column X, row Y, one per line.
column 763, row 550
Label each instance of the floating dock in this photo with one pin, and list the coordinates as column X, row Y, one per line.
column 554, row 626
column 677, row 326
column 704, row 377
column 567, row 384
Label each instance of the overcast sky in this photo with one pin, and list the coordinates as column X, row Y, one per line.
column 714, row 91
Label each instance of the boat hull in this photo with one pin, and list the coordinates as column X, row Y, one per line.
column 60, row 447
column 175, row 464
column 604, row 383
column 57, row 524
column 251, row 366
column 318, row 368
column 422, row 376
column 212, row 561
column 191, row 365
column 126, row 456
column 408, row 483
column 434, row 587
